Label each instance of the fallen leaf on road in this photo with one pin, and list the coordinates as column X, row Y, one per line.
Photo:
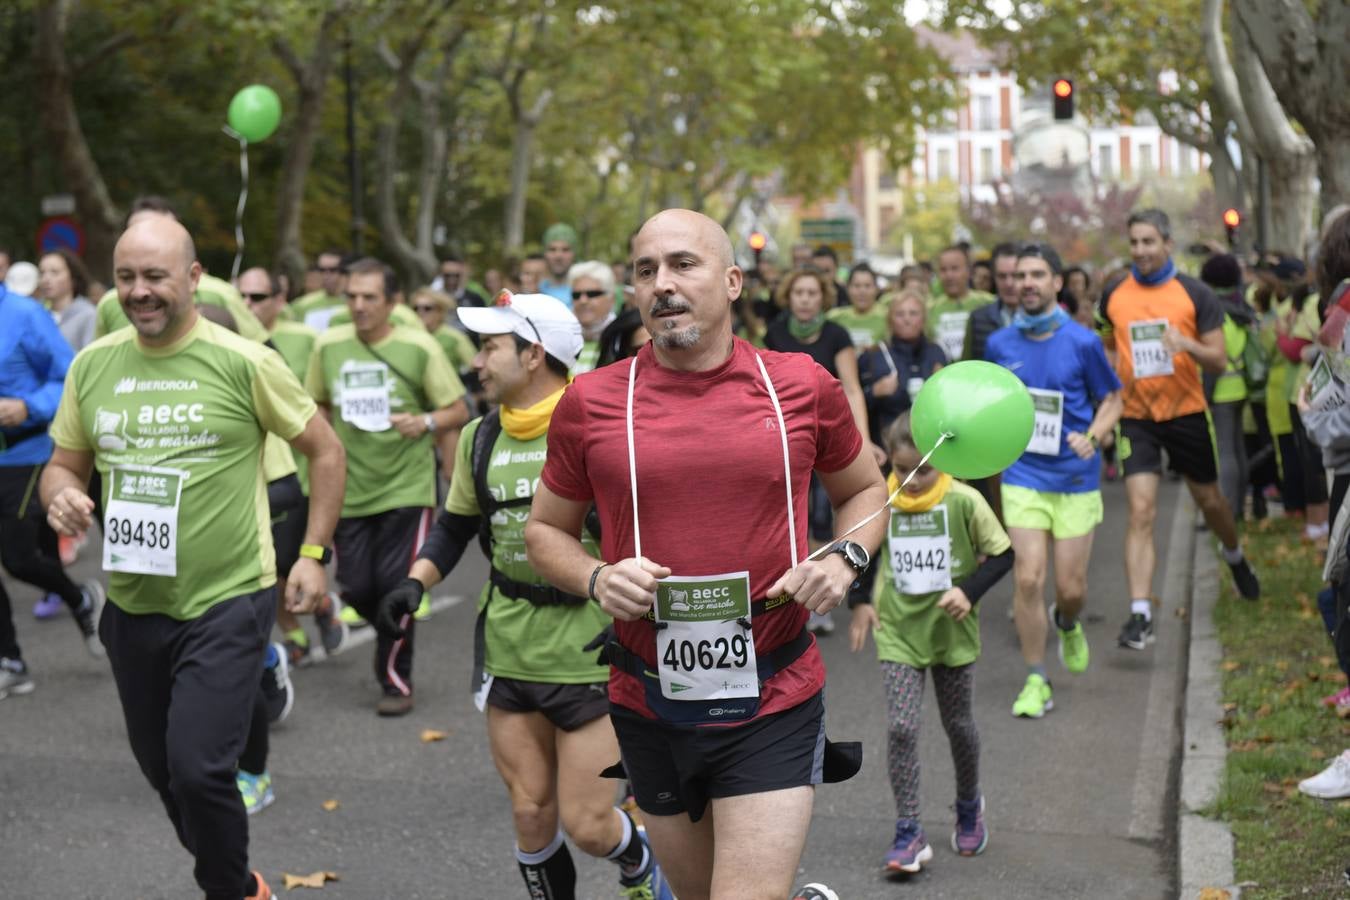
column 430, row 734
column 330, row 805
column 312, row 880
column 1213, row 893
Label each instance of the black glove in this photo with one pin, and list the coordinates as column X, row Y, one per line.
column 600, row 642
column 393, row 606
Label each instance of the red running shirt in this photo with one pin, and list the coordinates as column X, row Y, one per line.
column 710, row 482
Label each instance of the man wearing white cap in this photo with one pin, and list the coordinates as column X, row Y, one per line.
column 545, row 699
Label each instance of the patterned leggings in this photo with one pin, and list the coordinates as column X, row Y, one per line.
column 955, row 689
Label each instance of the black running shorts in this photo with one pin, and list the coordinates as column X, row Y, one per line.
column 567, row 706
column 1188, row 440
column 678, row 768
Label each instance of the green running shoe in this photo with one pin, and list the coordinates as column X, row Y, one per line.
column 1073, row 646
column 350, row 617
column 1035, row 699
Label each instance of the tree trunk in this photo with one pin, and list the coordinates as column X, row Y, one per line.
column 1306, row 62
column 67, row 142
column 522, row 157
column 311, row 81
column 522, row 152
column 1288, row 155
column 417, row 257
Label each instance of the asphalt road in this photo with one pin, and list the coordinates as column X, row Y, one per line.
column 1079, row 803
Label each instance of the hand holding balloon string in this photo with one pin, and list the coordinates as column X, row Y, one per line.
column 982, row 408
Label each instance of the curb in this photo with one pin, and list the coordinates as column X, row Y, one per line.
column 1204, row 844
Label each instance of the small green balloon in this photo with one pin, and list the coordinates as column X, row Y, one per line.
column 984, row 407
column 255, row 113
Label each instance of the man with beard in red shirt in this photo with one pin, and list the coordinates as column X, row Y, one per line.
column 697, row 455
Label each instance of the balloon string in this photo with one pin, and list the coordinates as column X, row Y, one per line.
column 889, row 500
column 239, row 210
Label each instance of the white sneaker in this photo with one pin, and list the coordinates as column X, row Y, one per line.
column 820, row 623
column 1332, row 783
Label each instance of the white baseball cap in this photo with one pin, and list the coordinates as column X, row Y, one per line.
column 538, row 318
column 22, row 278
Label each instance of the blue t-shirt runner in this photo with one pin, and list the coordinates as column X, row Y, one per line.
column 1072, row 364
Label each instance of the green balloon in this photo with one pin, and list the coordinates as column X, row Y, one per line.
column 984, row 407
column 255, row 113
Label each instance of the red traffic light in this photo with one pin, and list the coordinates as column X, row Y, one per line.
column 1232, row 218
column 757, row 241
column 1062, row 99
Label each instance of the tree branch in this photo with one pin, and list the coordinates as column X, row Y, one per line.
column 101, row 52
column 1272, row 134
column 283, row 51
column 1226, row 89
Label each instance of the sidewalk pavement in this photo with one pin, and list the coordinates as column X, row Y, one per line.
column 1205, row 845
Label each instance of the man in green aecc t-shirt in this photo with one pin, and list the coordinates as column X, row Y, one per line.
column 173, row 413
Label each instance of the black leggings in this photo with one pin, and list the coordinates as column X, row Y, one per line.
column 28, row 549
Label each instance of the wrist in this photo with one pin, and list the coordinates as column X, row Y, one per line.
column 430, row 422
column 595, row 578
column 317, row 552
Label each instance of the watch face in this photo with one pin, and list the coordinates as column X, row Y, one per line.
column 855, row 554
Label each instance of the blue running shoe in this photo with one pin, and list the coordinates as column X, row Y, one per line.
column 911, row 849
column 256, row 791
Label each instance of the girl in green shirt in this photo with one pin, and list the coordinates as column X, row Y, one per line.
column 944, row 550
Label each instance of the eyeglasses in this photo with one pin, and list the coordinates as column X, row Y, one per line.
column 329, row 270
column 590, row 295
column 255, row 298
column 426, row 308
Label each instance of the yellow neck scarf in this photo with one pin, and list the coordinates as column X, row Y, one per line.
column 527, row 424
column 921, row 502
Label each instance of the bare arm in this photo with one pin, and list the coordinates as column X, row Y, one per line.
column 1209, row 351
column 625, row 589
column 856, row 491
column 447, row 441
column 307, row 582
column 63, row 490
column 846, row 364
column 327, row 476
column 448, row 418
column 1103, row 423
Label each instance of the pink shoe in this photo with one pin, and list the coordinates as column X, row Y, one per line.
column 1340, row 698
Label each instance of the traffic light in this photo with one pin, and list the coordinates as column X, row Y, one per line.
column 1063, row 97
column 1231, row 220
column 757, row 242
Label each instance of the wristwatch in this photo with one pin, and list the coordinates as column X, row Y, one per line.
column 324, row 555
column 854, row 554
column 430, row 421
